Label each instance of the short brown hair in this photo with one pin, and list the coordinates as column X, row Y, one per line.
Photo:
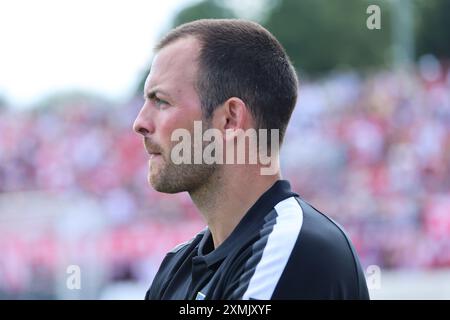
column 239, row 58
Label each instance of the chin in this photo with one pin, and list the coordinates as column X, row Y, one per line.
column 162, row 186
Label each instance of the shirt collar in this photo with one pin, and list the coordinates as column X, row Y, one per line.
column 252, row 221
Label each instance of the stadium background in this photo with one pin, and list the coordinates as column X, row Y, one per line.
column 368, row 144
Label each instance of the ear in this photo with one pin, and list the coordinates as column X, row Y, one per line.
column 232, row 115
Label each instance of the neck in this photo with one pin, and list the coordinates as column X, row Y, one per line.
column 227, row 196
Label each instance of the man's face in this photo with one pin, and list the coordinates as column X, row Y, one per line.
column 171, row 103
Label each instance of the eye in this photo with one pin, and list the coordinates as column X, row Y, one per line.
column 159, row 103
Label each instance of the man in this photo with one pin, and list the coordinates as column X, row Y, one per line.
column 262, row 241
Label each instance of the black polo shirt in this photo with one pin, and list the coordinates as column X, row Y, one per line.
column 283, row 248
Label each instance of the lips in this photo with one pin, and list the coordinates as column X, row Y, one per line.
column 151, row 148
column 153, row 155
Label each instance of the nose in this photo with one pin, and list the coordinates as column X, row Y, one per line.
column 144, row 123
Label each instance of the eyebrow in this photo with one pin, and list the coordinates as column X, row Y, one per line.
column 152, row 94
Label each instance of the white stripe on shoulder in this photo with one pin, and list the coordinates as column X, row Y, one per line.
column 277, row 251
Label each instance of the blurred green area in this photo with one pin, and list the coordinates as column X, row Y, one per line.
column 322, row 36
column 433, row 28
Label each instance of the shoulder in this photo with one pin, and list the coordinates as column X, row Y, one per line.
column 183, row 245
column 323, row 260
column 171, row 263
column 180, row 249
column 297, row 225
column 322, row 230
column 307, row 254
column 325, row 237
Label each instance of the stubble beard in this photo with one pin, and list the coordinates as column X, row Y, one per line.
column 168, row 177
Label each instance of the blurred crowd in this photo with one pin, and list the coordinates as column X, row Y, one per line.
column 372, row 152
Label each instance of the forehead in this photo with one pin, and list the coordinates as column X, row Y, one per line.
column 175, row 65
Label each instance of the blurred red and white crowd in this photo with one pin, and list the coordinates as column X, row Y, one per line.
column 372, row 152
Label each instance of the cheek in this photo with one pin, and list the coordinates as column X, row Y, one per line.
column 169, row 124
column 166, row 129
column 179, row 120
